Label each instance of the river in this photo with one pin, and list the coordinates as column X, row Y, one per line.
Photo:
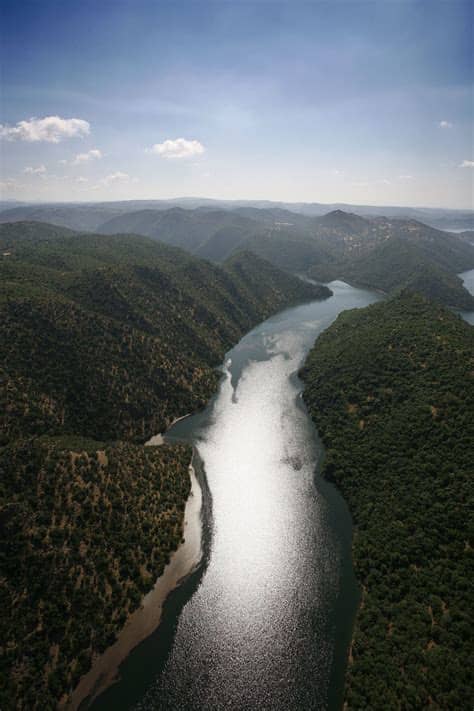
column 266, row 620
column 468, row 281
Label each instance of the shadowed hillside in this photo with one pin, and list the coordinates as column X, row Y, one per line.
column 390, row 389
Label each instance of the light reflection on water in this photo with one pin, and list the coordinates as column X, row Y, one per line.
column 270, row 614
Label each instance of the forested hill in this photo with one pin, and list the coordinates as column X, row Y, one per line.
column 401, row 254
column 391, row 391
column 384, row 253
column 398, row 263
column 102, row 339
column 114, row 337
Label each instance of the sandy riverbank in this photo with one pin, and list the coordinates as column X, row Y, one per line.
column 145, row 619
column 159, row 438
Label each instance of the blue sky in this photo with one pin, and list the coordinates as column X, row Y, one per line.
column 363, row 102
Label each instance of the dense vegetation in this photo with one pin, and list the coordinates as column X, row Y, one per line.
column 86, row 530
column 380, row 253
column 405, row 254
column 390, row 389
column 114, row 337
column 385, row 253
column 397, row 263
column 102, row 339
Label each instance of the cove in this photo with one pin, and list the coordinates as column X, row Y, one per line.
column 265, row 621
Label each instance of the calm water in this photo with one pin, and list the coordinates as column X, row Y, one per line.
column 468, row 280
column 265, row 623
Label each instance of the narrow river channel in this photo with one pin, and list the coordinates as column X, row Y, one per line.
column 266, row 620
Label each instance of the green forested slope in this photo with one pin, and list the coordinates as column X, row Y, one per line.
column 106, row 338
column 86, row 529
column 391, row 391
column 428, row 267
column 113, row 337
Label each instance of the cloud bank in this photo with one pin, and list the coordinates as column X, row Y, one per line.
column 467, row 164
column 51, row 129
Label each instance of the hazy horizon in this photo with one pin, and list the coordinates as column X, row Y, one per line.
column 363, row 103
column 197, row 198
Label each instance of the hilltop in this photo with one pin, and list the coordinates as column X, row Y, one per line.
column 89, row 216
column 367, row 249
column 398, row 263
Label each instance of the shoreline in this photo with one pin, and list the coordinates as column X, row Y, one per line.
column 144, row 620
column 159, row 438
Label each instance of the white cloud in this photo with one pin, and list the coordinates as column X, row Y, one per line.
column 51, row 129
column 39, row 170
column 445, row 124
column 93, row 154
column 177, row 148
column 80, row 179
column 117, row 178
column 405, row 177
column 466, row 164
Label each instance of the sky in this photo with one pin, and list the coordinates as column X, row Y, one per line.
column 357, row 102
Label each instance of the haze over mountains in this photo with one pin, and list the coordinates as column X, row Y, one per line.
column 90, row 216
column 385, row 252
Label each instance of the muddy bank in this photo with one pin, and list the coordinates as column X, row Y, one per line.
column 142, row 622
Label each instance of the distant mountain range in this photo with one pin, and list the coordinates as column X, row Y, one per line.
column 378, row 252
column 382, row 252
column 90, row 216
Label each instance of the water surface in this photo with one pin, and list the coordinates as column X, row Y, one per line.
column 468, row 281
column 266, row 621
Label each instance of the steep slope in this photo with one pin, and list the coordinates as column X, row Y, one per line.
column 397, row 263
column 343, row 222
column 102, row 339
column 390, row 389
column 120, row 335
column 287, row 249
column 409, row 255
column 86, row 530
column 466, row 236
column 189, row 229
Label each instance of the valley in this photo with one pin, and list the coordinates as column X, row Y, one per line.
column 109, row 338
column 104, row 341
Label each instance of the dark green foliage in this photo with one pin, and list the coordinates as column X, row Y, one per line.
column 399, row 262
column 113, row 337
column 86, row 532
column 105, row 338
column 378, row 252
column 390, row 389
